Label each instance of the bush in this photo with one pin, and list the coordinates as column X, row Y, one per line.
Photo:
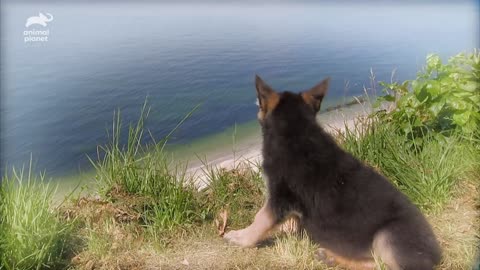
column 32, row 235
column 426, row 142
column 444, row 98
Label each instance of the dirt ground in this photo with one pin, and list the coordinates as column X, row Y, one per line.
column 456, row 227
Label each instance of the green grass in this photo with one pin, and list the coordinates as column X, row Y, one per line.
column 171, row 200
column 240, row 191
column 426, row 170
column 32, row 234
column 176, row 220
column 150, row 212
column 146, row 171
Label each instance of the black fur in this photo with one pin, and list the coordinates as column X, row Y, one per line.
column 342, row 203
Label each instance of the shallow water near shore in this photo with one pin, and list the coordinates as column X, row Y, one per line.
column 58, row 97
column 236, row 145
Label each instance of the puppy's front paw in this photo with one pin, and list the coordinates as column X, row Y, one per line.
column 239, row 238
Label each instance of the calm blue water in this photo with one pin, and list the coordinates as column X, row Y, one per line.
column 58, row 97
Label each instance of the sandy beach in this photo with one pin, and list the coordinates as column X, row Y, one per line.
column 248, row 151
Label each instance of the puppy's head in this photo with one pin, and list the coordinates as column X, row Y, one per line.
column 307, row 101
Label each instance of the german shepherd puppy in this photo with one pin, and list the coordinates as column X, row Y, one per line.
column 345, row 206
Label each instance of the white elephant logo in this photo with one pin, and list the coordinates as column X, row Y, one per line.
column 41, row 19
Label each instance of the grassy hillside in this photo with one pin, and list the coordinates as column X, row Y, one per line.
column 147, row 213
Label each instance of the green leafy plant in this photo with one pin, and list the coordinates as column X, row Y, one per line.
column 443, row 98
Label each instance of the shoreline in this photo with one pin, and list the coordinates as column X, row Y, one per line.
column 248, row 150
column 236, row 145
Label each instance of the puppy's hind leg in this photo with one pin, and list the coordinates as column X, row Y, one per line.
column 401, row 247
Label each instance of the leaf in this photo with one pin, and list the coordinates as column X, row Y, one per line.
column 433, row 62
column 461, row 118
column 417, row 85
column 423, row 94
column 417, row 123
column 475, row 100
column 406, row 127
column 457, row 103
column 388, row 98
column 436, row 107
column 470, row 86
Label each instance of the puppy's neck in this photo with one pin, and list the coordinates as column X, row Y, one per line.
column 294, row 135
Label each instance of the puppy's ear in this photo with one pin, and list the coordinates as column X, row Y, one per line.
column 314, row 96
column 267, row 97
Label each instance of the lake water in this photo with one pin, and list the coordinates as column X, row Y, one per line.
column 58, row 96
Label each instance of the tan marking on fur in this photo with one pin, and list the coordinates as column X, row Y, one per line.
column 272, row 101
column 352, row 264
column 314, row 96
column 260, row 115
column 381, row 247
column 291, row 224
column 307, row 98
column 268, row 105
column 256, row 232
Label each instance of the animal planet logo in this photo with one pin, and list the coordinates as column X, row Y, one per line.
column 37, row 35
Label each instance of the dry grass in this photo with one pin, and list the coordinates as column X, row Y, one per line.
column 111, row 242
column 285, row 252
column 108, row 234
column 457, row 228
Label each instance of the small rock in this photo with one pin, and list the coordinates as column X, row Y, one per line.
column 185, row 262
column 90, row 265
